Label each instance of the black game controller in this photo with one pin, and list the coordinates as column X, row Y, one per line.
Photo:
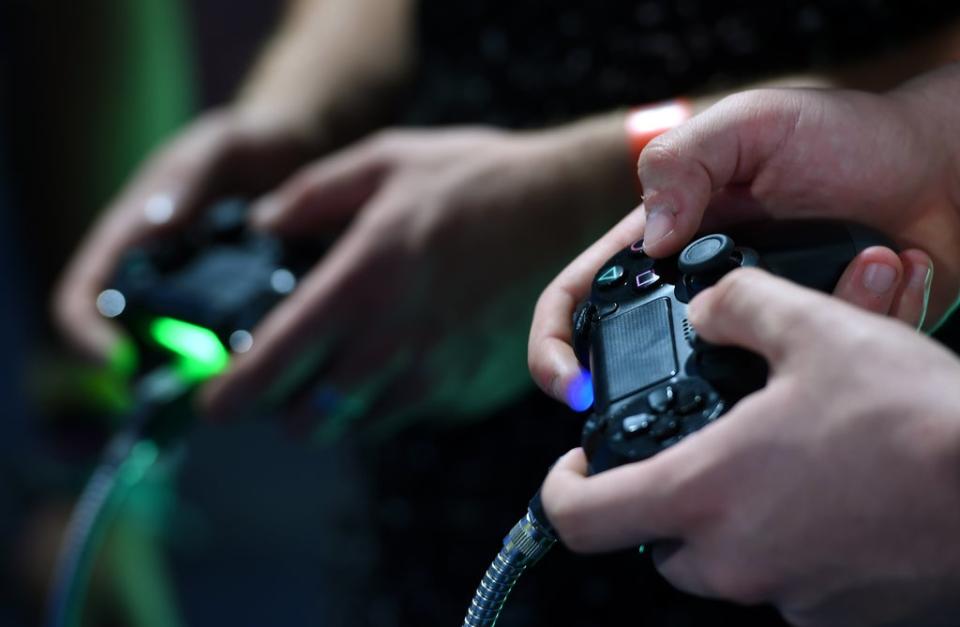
column 654, row 381
column 217, row 275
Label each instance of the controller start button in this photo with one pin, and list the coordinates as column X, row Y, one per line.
column 707, row 255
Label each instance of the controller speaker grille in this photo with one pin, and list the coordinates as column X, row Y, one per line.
column 688, row 333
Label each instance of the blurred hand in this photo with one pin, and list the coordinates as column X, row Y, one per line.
column 422, row 305
column 222, row 153
column 832, row 493
column 877, row 160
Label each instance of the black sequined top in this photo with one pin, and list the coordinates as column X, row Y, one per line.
column 523, row 62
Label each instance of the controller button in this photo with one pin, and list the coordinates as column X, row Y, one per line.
column 637, row 425
column 662, row 399
column 689, row 400
column 607, row 309
column 637, row 248
column 611, row 277
column 646, row 280
column 707, row 255
column 665, row 429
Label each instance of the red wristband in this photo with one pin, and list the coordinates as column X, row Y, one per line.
column 646, row 122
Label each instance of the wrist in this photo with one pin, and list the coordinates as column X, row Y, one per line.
column 645, row 123
column 928, row 103
column 593, row 158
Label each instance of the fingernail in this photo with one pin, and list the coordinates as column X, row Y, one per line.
column 920, row 278
column 661, row 221
column 159, row 208
column 879, row 277
column 265, row 211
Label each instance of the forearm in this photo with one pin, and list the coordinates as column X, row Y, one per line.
column 326, row 72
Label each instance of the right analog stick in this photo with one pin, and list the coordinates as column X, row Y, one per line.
column 709, row 255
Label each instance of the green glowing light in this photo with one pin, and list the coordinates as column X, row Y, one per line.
column 200, row 352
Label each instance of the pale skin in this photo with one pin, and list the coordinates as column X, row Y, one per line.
column 417, row 206
column 832, row 493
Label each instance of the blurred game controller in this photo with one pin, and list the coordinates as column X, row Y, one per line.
column 200, row 292
column 654, row 381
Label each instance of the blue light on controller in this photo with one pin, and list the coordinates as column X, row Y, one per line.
column 580, row 392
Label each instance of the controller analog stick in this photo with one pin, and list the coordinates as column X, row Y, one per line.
column 707, row 255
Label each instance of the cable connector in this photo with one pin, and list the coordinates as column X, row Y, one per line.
column 528, row 541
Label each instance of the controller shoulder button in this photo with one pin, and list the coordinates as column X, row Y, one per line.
column 583, row 320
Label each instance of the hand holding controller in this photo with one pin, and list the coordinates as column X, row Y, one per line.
column 218, row 277
column 654, row 381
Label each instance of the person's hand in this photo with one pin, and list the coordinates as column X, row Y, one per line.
column 222, row 153
column 422, row 305
column 833, row 493
column 876, row 160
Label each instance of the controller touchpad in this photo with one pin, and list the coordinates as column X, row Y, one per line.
column 635, row 351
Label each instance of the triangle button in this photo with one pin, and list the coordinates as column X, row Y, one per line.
column 610, row 277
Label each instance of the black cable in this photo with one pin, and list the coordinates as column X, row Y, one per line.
column 126, row 458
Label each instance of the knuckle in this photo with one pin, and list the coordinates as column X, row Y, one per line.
column 659, row 153
column 732, row 290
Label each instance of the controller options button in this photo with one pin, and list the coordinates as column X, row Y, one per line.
column 637, row 425
column 607, row 309
column 646, row 280
column 662, row 399
column 707, row 255
column 610, row 277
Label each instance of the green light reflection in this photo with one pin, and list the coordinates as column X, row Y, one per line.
column 200, row 352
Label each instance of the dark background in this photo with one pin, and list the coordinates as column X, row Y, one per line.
column 269, row 531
